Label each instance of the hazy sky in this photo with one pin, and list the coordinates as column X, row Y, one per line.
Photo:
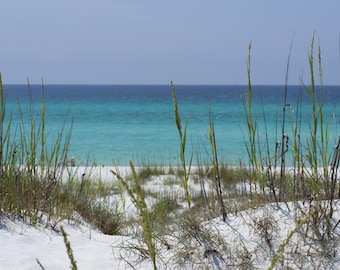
column 153, row 42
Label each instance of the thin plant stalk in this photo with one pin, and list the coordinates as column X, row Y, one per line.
column 317, row 143
column 334, row 176
column 251, row 122
column 286, row 241
column 2, row 118
column 138, row 198
column 183, row 140
column 317, row 154
column 284, row 134
column 218, row 187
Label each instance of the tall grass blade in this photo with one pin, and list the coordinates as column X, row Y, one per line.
column 183, row 139
column 218, row 187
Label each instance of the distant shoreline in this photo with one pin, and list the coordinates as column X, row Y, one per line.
column 103, row 173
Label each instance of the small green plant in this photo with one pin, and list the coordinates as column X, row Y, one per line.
column 34, row 186
column 285, row 242
column 320, row 182
column 138, row 198
column 317, row 127
column 35, row 180
column 265, row 226
column 146, row 171
column 183, row 140
column 161, row 211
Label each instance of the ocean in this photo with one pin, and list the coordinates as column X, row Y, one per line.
column 113, row 124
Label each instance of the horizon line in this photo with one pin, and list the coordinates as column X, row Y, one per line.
column 163, row 84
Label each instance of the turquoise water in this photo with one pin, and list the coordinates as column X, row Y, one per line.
column 123, row 122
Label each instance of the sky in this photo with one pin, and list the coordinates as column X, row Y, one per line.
column 155, row 42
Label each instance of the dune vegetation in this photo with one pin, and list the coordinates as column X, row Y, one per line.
column 264, row 214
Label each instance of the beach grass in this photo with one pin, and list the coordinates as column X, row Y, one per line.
column 39, row 185
column 35, row 179
column 138, row 198
column 182, row 149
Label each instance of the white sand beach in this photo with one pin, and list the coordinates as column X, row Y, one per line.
column 26, row 246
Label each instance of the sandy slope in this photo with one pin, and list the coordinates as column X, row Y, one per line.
column 22, row 245
column 238, row 240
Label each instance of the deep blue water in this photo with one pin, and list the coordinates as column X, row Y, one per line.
column 123, row 122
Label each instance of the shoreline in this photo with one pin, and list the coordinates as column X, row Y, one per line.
column 103, row 173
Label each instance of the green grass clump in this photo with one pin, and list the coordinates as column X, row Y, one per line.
column 33, row 184
column 313, row 177
column 31, row 171
column 146, row 171
column 35, row 181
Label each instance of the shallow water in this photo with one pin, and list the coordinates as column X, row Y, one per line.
column 123, row 122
